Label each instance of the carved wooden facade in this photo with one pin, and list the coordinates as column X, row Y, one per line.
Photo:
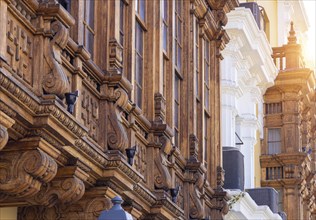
column 288, row 154
column 147, row 75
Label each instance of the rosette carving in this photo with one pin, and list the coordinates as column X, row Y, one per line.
column 64, row 190
column 163, row 177
column 23, row 173
column 196, row 206
column 55, row 80
column 116, row 134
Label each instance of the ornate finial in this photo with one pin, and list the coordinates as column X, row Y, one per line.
column 292, row 37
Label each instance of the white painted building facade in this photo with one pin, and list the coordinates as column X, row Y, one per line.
column 246, row 72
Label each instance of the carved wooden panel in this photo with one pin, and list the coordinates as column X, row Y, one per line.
column 19, row 50
column 180, row 199
column 140, row 159
column 90, row 112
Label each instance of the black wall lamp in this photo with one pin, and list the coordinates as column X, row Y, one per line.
column 71, row 99
column 130, row 153
column 174, row 193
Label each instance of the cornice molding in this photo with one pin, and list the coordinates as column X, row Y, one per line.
column 243, row 30
column 242, row 206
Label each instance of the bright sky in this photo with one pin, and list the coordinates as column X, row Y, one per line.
column 309, row 53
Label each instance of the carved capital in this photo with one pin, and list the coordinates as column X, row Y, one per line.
column 55, row 80
column 5, row 123
column 116, row 133
column 22, row 173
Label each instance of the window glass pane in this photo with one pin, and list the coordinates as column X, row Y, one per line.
column 142, row 9
column 139, row 69
column 165, row 35
column 206, row 98
column 165, row 10
column 139, row 38
column 176, row 87
column 90, row 13
column 122, row 22
column 139, row 97
column 176, row 138
column 179, row 58
column 176, row 115
column 274, row 140
column 179, row 31
column 90, row 41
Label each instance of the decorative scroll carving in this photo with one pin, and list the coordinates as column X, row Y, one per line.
column 55, row 81
column 163, row 177
column 88, row 207
column 19, row 50
column 196, row 207
column 116, row 134
column 64, row 190
column 90, row 113
column 23, row 173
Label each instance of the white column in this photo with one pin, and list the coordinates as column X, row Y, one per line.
column 228, row 100
column 247, row 126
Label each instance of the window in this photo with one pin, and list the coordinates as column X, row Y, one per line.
column 205, row 141
column 122, row 17
column 176, row 109
column 122, row 22
column 164, row 76
column 178, row 35
column 165, row 25
column 196, row 53
column 139, row 51
column 274, row 140
column 207, row 75
column 65, row 4
column 140, row 9
column 88, row 24
column 139, row 63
